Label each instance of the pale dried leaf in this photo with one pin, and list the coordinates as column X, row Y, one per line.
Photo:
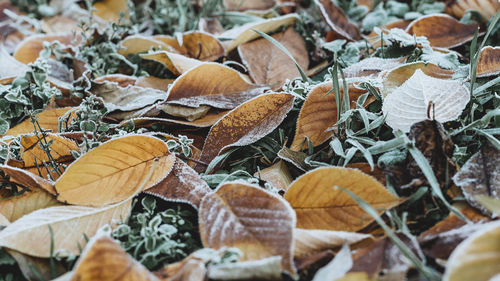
column 337, row 268
column 263, row 269
column 15, row 69
column 14, row 207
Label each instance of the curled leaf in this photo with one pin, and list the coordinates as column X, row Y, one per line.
column 489, row 62
column 424, row 97
column 114, row 171
column 320, row 206
column 337, row 20
column 27, row 179
column 246, row 217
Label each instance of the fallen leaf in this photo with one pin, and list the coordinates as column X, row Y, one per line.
column 32, row 267
column 37, row 161
column 263, row 269
column 296, row 158
column 273, row 67
column 320, row 206
column 492, row 204
column 337, row 20
column 336, row 268
column 246, row 124
column 212, row 84
column 371, row 67
column 318, row 114
column 126, row 98
column 31, row 234
column 476, row 258
column 188, row 113
column 424, row 97
column 259, row 223
column 27, row 179
column 207, row 121
column 246, row 33
column 367, row 169
column 243, row 5
column 111, row 10
column 312, row 241
column 114, row 171
column 190, row 268
column 14, row 207
column 177, row 64
column 29, row 49
column 375, row 39
column 489, row 62
column 15, row 69
column 202, row 46
column 396, row 77
column 48, row 120
column 442, row 30
column 3, row 222
column 183, row 184
column 277, row 175
column 480, row 175
column 458, row 8
column 136, row 44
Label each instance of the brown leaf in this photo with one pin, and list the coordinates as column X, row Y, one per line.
column 436, row 146
column 296, row 158
column 489, row 62
column 268, row 65
column 458, row 8
column 207, row 121
column 104, row 259
column 396, row 77
column 29, row 49
column 320, row 206
column 318, row 114
column 183, row 184
column 246, row 124
column 14, row 207
column 247, row 217
column 365, row 168
column 313, row 241
column 176, row 63
column 48, row 120
column 442, row 30
column 202, row 46
column 115, row 171
column 440, row 240
column 480, row 175
column 192, row 268
column 110, row 10
column 383, row 259
column 212, row 84
column 277, row 175
column 27, row 179
column 337, row 20
column 136, row 44
column 37, row 161
column 239, row 5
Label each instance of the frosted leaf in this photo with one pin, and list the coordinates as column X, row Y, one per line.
column 409, row 103
column 338, row 267
column 267, row 269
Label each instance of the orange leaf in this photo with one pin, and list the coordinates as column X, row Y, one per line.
column 246, row 124
column 110, row 10
column 337, row 20
column 29, row 49
column 318, row 114
column 458, row 8
column 48, row 120
column 176, row 63
column 259, row 223
column 268, row 65
column 212, row 84
column 14, row 207
column 489, row 62
column 320, row 206
column 442, row 30
column 114, row 171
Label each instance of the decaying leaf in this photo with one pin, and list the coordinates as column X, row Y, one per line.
column 104, row 259
column 36, row 160
column 244, row 216
column 312, row 241
column 247, row 123
column 272, row 67
column 489, row 62
column 27, row 179
column 442, row 30
column 176, row 63
column 115, row 170
column 476, row 258
column 110, row 10
column 337, row 20
column 396, row 77
column 126, row 98
column 183, row 184
column 436, row 146
column 318, row 114
column 319, row 205
column 480, row 176
column 29, row 49
column 31, row 233
column 263, row 269
column 14, row 207
column 424, row 97
column 486, row 8
column 277, row 175
column 212, row 84
column 245, row 33
column 48, row 120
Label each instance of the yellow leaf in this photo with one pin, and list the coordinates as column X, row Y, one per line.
column 48, row 120
column 176, row 63
column 320, row 206
column 244, row 216
column 476, row 258
column 29, row 49
column 31, row 235
column 110, row 10
column 114, row 171
column 14, row 207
